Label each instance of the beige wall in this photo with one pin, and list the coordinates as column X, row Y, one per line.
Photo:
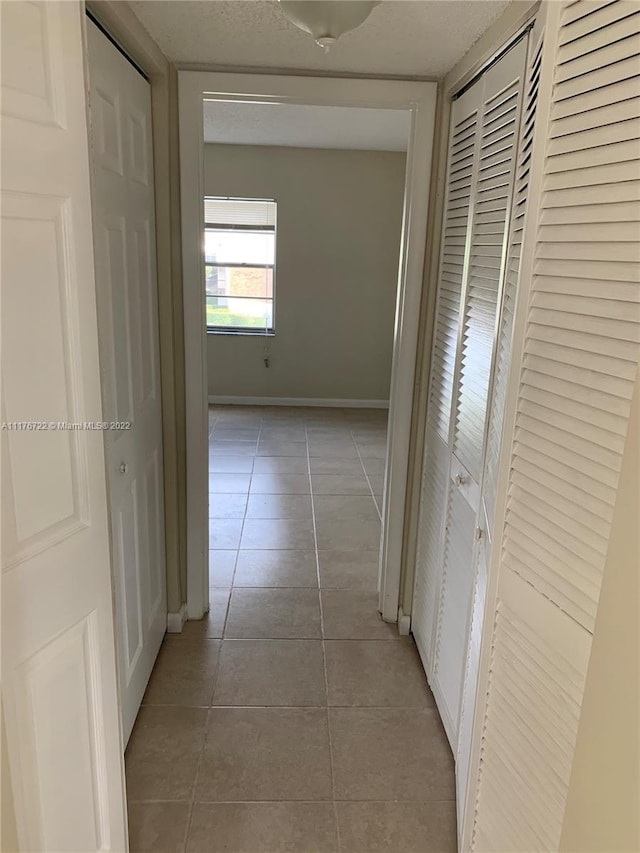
column 602, row 812
column 338, row 239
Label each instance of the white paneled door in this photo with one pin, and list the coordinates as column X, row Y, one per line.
column 59, row 687
column 125, row 252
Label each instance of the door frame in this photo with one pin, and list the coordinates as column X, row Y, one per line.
column 419, row 98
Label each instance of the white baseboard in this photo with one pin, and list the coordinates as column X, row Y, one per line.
column 175, row 621
column 404, row 623
column 215, row 399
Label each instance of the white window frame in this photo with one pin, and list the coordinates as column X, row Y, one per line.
column 246, row 330
column 419, row 98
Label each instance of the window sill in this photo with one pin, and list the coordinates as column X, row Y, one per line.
column 241, row 334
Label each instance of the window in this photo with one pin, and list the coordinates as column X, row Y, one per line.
column 239, row 247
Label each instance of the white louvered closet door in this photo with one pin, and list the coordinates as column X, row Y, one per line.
column 485, row 261
column 462, row 159
column 497, row 400
column 579, row 360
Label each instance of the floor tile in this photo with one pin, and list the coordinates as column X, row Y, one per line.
column 271, row 672
column 352, row 614
column 158, row 827
column 373, row 466
column 376, row 482
column 227, row 506
column 263, row 828
column 231, row 448
column 229, row 483
column 340, row 484
column 282, row 448
column 265, row 754
column 390, row 754
column 376, row 673
column 344, row 507
column 221, row 566
column 349, row 569
column 233, row 429
column 184, row 673
column 229, row 433
column 279, row 433
column 373, row 449
column 276, row 569
column 329, row 465
column 279, row 533
column 280, row 484
column 393, row 827
column 231, row 464
column 348, row 534
column 274, row 614
column 212, row 623
column 336, row 449
column 279, row 506
column 224, row 533
column 268, row 742
column 162, row 753
column 280, row 465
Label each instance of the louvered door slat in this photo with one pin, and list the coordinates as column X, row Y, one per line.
column 499, row 128
column 576, row 10
column 580, row 351
column 435, row 475
column 453, row 251
column 546, row 658
column 505, row 330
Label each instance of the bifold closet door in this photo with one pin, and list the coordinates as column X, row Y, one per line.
column 486, row 120
column 577, row 367
column 496, row 421
column 462, row 160
column 125, row 264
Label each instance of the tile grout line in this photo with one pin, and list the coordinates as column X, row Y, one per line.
column 324, row 650
column 366, row 476
column 235, row 565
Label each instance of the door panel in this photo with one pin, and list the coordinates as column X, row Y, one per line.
column 437, row 460
column 495, row 440
column 490, row 169
column 575, row 379
column 453, row 607
column 59, row 687
column 129, row 350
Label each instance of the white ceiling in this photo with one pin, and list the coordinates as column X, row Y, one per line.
column 414, row 38
column 305, row 127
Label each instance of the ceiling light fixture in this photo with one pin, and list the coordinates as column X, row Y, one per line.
column 327, row 20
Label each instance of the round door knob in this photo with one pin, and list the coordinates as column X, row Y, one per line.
column 461, row 479
column 479, row 533
column 123, row 467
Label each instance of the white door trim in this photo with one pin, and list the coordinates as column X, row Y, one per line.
column 420, row 99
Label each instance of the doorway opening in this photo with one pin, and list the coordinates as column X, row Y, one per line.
column 302, row 232
column 228, row 94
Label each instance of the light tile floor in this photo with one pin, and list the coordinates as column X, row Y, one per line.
column 291, row 719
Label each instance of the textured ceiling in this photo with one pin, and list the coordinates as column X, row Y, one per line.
column 305, row 127
column 414, row 38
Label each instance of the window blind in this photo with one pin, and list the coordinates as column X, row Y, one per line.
column 230, row 212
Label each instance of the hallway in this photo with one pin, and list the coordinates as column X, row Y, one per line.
column 291, row 718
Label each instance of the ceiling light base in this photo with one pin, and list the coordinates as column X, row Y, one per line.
column 327, row 20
